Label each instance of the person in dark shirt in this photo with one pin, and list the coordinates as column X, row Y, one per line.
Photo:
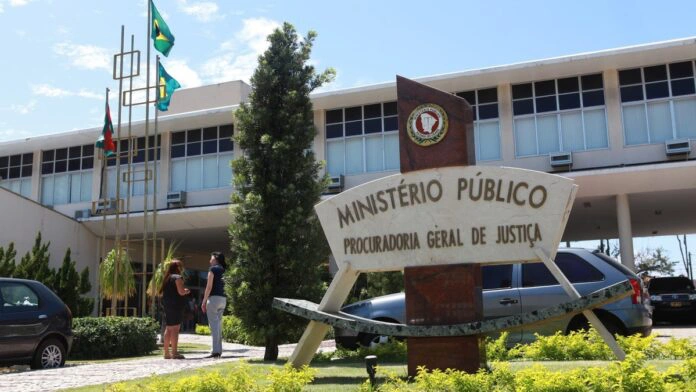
column 173, row 302
column 214, row 301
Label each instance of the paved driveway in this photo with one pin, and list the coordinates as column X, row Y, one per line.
column 81, row 375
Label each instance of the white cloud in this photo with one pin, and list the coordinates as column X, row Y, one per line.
column 13, row 134
column 23, row 109
column 184, row 74
column 46, row 90
column 19, row 3
column 2, row 9
column 239, row 56
column 84, row 56
column 203, row 11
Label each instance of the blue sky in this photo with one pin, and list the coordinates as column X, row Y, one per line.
column 56, row 56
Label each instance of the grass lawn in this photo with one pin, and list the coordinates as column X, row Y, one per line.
column 348, row 375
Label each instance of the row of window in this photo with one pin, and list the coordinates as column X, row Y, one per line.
column 15, row 173
column 565, row 114
column 658, row 103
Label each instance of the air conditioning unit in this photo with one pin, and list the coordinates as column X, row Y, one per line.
column 109, row 206
column 83, row 214
column 176, row 199
column 560, row 159
column 336, row 185
column 677, row 147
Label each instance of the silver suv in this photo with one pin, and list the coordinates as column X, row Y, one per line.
column 510, row 289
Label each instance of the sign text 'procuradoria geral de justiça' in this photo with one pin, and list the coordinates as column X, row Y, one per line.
column 457, row 208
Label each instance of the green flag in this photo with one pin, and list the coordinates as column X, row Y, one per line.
column 162, row 37
column 167, row 85
column 106, row 141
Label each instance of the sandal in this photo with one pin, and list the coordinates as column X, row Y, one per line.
column 178, row 356
column 167, row 356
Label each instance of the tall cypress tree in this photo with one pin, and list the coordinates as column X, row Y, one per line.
column 34, row 265
column 277, row 244
column 7, row 260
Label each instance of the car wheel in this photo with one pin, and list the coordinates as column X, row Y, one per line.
column 50, row 354
column 581, row 323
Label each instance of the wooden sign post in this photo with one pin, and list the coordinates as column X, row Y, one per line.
column 436, row 130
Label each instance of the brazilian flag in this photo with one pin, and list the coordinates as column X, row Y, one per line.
column 162, row 37
column 167, row 85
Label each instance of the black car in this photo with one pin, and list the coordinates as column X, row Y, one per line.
column 672, row 297
column 35, row 325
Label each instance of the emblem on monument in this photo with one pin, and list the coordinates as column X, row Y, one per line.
column 427, row 124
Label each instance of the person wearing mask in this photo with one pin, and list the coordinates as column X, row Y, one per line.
column 173, row 302
column 214, row 301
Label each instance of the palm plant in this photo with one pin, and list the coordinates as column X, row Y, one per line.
column 125, row 281
column 158, row 275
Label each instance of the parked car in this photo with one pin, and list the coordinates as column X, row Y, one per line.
column 510, row 289
column 672, row 297
column 35, row 325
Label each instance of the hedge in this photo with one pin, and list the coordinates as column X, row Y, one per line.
column 113, row 337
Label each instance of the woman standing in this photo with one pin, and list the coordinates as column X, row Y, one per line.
column 173, row 301
column 214, row 301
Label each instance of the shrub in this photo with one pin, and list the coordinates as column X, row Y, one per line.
column 286, row 379
column 113, row 337
column 202, row 329
column 393, row 351
column 233, row 332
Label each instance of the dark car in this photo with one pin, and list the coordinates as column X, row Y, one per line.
column 672, row 297
column 511, row 289
column 35, row 325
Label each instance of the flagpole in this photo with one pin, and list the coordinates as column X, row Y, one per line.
column 147, row 135
column 118, row 182
column 130, row 164
column 102, row 191
column 154, row 182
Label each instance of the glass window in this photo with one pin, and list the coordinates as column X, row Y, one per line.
column 484, row 104
column 201, row 158
column 536, row 274
column 656, row 103
column 497, row 276
column 555, row 115
column 15, row 173
column 358, row 139
column 18, row 297
column 66, row 175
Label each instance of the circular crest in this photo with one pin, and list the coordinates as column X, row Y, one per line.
column 427, row 124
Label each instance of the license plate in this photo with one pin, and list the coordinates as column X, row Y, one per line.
column 675, row 304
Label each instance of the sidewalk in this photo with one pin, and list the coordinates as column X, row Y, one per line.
column 82, row 375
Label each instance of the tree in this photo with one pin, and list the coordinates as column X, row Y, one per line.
column 125, row 281
column 34, row 265
column 7, row 260
column 375, row 284
column 277, row 244
column 608, row 249
column 653, row 262
column 70, row 286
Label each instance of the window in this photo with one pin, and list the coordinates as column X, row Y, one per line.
column 658, row 103
column 362, row 139
column 141, row 151
column 201, row 158
column 559, row 115
column 484, row 104
column 573, row 267
column 66, row 175
column 18, row 297
column 497, row 276
column 15, row 173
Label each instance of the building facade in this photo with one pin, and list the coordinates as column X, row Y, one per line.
column 620, row 122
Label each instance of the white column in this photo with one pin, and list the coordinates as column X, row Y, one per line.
column 623, row 217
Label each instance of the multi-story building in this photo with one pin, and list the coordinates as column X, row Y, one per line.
column 619, row 122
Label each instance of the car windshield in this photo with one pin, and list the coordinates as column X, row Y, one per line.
column 671, row 284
